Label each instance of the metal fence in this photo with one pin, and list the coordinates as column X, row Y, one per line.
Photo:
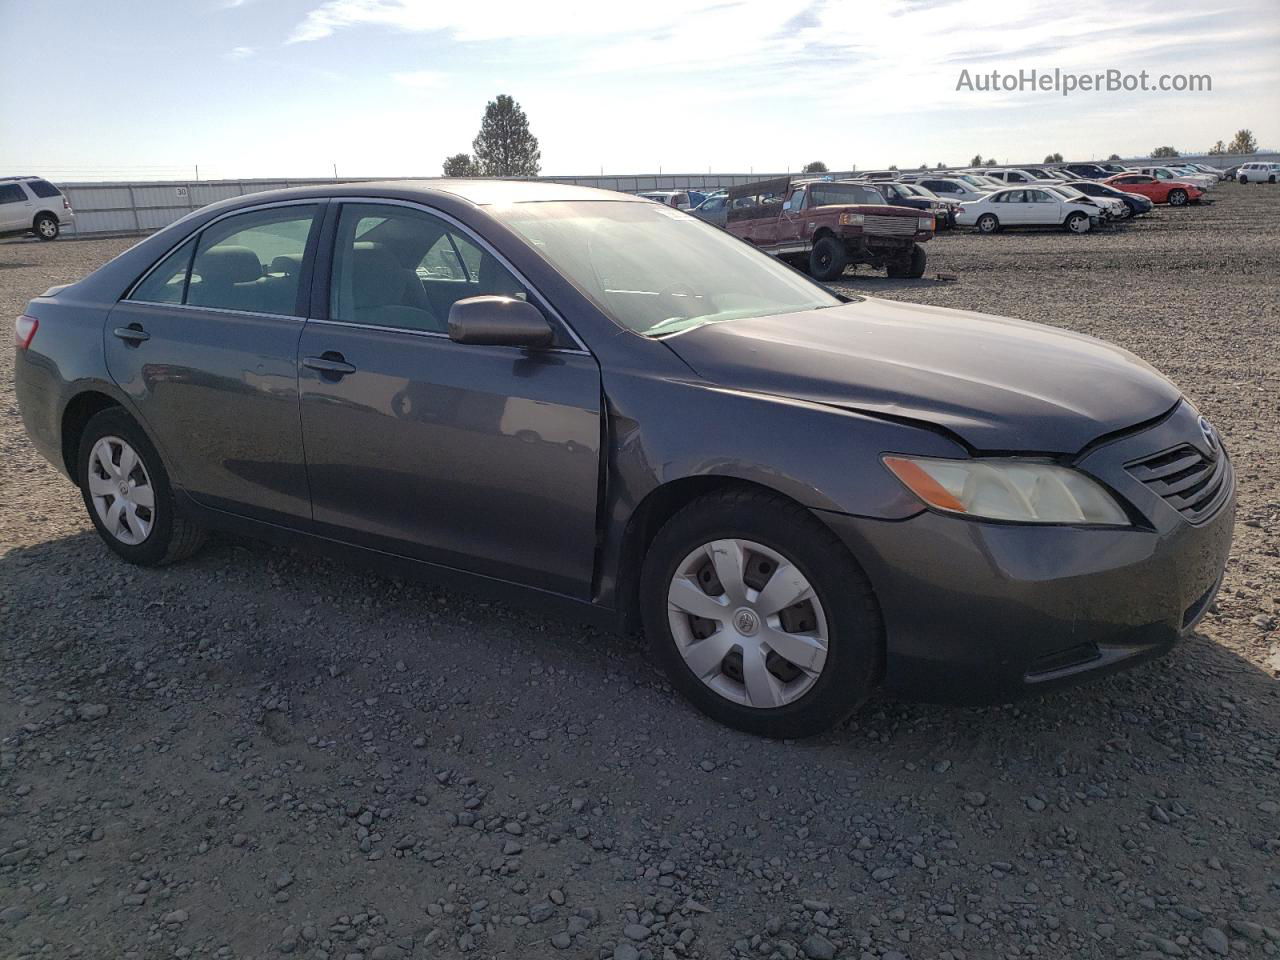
column 140, row 207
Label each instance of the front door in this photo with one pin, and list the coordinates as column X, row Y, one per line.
column 17, row 212
column 481, row 458
column 1042, row 208
column 206, row 347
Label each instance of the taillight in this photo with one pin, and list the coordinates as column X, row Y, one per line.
column 66, row 204
column 24, row 331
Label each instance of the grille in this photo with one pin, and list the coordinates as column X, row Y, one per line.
column 1191, row 482
column 886, row 226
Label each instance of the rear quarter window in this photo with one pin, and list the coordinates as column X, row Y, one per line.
column 43, row 188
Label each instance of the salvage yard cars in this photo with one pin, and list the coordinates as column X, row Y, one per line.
column 578, row 395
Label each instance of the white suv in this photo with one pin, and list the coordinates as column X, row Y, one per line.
column 32, row 205
column 1258, row 172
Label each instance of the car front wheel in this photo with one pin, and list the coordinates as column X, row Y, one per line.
column 46, row 227
column 759, row 615
column 987, row 223
column 127, row 493
column 1078, row 223
column 1177, row 198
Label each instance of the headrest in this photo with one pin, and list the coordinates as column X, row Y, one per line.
column 290, row 264
column 228, row 265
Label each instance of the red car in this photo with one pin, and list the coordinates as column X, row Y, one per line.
column 1176, row 193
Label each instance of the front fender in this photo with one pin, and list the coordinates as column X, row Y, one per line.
column 662, row 431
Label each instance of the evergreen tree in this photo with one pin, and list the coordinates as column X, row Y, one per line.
column 504, row 147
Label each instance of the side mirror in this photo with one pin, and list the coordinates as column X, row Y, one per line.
column 499, row 321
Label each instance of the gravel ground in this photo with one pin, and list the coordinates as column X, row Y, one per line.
column 260, row 753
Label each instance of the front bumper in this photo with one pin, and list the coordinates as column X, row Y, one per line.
column 979, row 612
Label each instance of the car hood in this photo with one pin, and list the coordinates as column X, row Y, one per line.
column 998, row 384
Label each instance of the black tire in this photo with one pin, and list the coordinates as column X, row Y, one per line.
column 828, row 259
column 988, row 223
column 46, row 227
column 855, row 651
column 173, row 536
column 1178, row 198
column 911, row 268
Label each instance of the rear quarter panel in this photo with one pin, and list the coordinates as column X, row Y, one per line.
column 65, row 359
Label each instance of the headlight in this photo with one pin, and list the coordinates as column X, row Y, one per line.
column 851, row 219
column 926, row 223
column 1021, row 491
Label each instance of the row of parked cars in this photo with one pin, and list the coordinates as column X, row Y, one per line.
column 882, row 218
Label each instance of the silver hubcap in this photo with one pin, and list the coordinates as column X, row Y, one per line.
column 1079, row 224
column 748, row 623
column 47, row 227
column 121, row 490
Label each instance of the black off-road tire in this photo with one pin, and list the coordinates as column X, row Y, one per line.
column 855, row 652
column 912, row 269
column 828, row 259
column 174, row 535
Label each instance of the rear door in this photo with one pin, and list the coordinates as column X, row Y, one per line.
column 206, row 348
column 481, row 458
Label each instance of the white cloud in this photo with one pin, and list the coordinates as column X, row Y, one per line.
column 241, row 53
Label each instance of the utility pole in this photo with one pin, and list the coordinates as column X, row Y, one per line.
column 197, row 171
column 335, row 171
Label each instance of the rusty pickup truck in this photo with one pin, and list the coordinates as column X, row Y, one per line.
column 823, row 226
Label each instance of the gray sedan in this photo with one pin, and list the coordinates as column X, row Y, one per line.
column 590, row 399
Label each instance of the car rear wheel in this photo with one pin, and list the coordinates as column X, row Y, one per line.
column 1177, row 198
column 46, row 227
column 1078, row 222
column 759, row 615
column 127, row 493
column 988, row 223
column 828, row 259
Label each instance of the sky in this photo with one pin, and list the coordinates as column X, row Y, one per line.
column 151, row 89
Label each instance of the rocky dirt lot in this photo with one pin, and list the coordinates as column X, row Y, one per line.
column 259, row 753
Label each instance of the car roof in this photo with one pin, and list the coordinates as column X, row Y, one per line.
column 480, row 192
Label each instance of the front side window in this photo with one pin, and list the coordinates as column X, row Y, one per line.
column 11, row 193
column 248, row 262
column 404, row 268
column 835, row 194
column 655, row 271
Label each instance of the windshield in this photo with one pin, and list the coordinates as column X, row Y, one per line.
column 657, row 271
column 829, row 194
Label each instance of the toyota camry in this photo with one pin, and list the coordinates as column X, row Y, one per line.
column 799, row 496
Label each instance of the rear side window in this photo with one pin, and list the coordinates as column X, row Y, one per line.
column 11, row 193
column 249, row 262
column 43, row 188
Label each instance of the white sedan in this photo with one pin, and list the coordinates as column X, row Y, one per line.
column 1032, row 206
